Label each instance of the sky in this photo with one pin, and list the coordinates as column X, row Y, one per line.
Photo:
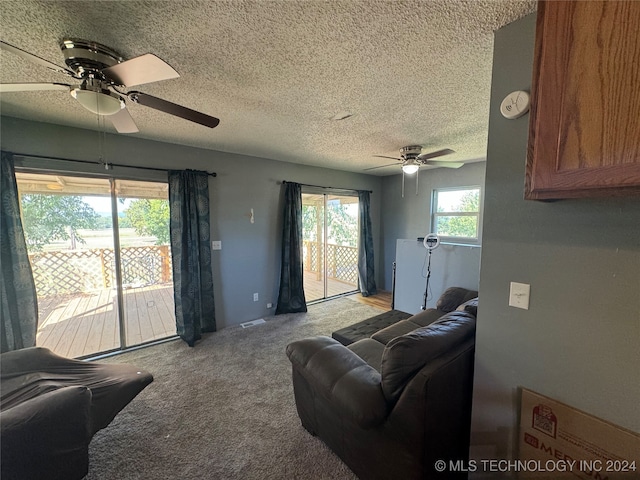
column 102, row 205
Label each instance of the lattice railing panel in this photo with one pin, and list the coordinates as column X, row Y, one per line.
column 66, row 272
column 342, row 262
column 146, row 265
column 62, row 272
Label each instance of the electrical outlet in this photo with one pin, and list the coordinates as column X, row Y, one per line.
column 269, row 305
column 255, row 297
column 216, row 245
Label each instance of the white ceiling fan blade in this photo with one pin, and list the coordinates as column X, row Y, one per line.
column 32, row 87
column 438, row 153
column 123, row 122
column 35, row 59
column 143, row 69
column 381, row 166
column 445, row 164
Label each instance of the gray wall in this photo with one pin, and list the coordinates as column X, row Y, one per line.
column 409, row 217
column 579, row 340
column 250, row 257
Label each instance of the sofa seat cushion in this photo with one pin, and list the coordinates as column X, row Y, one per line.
column 369, row 350
column 366, row 328
column 404, row 356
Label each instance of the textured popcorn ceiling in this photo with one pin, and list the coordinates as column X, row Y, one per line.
column 276, row 72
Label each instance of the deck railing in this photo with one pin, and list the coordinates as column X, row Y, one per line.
column 73, row 271
column 342, row 261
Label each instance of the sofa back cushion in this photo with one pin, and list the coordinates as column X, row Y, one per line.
column 471, row 306
column 406, row 355
column 454, row 296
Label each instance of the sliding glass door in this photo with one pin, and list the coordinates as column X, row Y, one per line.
column 145, row 260
column 330, row 244
column 99, row 250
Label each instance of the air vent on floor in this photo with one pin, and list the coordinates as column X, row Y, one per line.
column 252, row 323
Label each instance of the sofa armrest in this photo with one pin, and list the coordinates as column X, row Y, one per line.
column 341, row 377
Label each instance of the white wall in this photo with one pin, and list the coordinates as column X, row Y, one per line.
column 451, row 266
column 250, row 257
column 579, row 341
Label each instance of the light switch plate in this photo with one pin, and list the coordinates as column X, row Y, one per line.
column 519, row 295
column 216, row 245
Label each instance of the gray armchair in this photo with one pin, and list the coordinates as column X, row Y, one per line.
column 51, row 407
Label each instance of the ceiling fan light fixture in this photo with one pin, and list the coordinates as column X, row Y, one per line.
column 410, row 167
column 98, row 102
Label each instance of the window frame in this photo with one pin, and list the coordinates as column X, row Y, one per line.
column 478, row 215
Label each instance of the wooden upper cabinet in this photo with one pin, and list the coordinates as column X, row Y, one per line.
column 584, row 128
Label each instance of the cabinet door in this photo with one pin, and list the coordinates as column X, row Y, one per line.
column 584, row 130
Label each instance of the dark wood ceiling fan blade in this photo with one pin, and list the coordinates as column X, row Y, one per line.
column 139, row 70
column 123, row 122
column 438, row 153
column 173, row 109
column 381, row 166
column 392, row 158
column 33, row 87
column 36, row 59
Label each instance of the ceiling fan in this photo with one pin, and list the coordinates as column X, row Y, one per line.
column 101, row 72
column 412, row 158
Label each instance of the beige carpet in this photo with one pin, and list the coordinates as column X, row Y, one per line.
column 224, row 409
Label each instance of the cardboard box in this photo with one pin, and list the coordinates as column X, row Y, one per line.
column 557, row 441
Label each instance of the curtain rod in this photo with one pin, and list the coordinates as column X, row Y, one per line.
column 320, row 186
column 108, row 164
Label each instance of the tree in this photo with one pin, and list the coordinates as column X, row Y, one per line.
column 461, row 226
column 343, row 227
column 47, row 218
column 150, row 217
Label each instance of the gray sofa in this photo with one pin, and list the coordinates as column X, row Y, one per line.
column 447, row 302
column 391, row 405
column 52, row 406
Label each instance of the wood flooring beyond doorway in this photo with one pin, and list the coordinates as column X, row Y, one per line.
column 381, row 300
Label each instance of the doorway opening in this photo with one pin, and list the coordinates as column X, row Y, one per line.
column 330, row 244
column 101, row 261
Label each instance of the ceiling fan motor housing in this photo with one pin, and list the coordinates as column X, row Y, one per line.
column 88, row 58
column 411, row 151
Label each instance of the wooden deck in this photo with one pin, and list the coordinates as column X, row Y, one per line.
column 86, row 323
column 314, row 289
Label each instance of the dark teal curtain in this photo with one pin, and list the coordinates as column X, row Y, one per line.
column 366, row 272
column 191, row 254
column 291, row 296
column 19, row 303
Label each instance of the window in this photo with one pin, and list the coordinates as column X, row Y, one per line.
column 456, row 213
